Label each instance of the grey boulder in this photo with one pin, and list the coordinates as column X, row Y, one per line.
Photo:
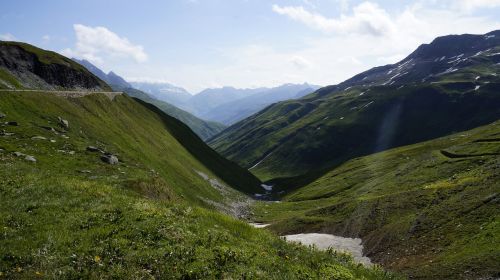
column 110, row 159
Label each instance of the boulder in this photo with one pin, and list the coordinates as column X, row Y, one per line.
column 30, row 158
column 110, row 159
column 2, row 115
column 94, row 149
column 63, row 123
column 49, row 128
column 19, row 154
column 4, row 133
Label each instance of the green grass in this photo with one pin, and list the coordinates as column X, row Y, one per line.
column 145, row 218
column 204, row 129
column 417, row 210
column 7, row 80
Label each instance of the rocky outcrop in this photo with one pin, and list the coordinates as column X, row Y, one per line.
column 39, row 69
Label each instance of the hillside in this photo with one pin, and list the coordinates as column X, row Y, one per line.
column 430, row 210
column 382, row 108
column 109, row 187
column 204, row 129
column 23, row 66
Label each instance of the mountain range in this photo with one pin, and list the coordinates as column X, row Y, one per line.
column 225, row 105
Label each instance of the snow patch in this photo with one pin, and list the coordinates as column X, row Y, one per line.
column 260, row 161
column 477, row 87
column 324, row 241
column 267, row 187
column 258, row 225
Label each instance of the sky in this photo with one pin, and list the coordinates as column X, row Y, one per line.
column 198, row 44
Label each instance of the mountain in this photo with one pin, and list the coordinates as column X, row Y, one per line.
column 111, row 78
column 234, row 111
column 429, row 210
column 102, row 185
column 435, row 91
column 204, row 129
column 23, row 66
column 164, row 92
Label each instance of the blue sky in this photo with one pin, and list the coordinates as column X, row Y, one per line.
column 243, row 43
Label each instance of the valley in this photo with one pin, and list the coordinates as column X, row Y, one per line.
column 393, row 173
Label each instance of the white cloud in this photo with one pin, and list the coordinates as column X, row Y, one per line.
column 7, row 37
column 94, row 43
column 46, row 38
column 300, row 62
column 367, row 18
column 471, row 5
column 322, row 58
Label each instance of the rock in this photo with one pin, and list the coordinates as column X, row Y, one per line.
column 30, row 158
column 52, row 140
column 94, row 149
column 2, row 115
column 4, row 133
column 38, row 138
column 49, row 128
column 84, row 171
column 110, row 159
column 19, row 154
column 63, row 123
column 12, row 123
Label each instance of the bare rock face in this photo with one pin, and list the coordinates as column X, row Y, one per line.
column 41, row 69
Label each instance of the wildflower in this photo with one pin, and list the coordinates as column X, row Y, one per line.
column 97, row 259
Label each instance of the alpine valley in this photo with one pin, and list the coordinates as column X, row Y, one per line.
column 101, row 178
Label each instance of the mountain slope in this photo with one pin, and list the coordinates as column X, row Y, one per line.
column 23, row 66
column 430, row 210
column 371, row 112
column 66, row 213
column 202, row 128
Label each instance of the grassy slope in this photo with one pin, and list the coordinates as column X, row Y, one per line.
column 45, row 57
column 204, row 129
column 316, row 133
column 430, row 210
column 127, row 220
